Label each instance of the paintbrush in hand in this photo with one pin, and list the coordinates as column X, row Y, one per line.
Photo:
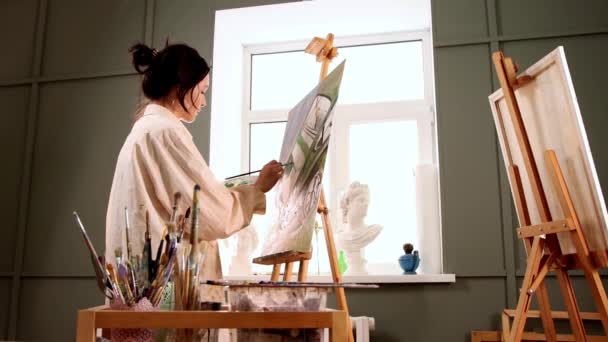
column 252, row 172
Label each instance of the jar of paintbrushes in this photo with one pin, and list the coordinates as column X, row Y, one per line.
column 186, row 277
column 139, row 282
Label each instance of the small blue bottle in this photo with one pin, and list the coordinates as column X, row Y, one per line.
column 410, row 261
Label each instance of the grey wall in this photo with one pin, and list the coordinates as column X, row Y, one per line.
column 67, row 92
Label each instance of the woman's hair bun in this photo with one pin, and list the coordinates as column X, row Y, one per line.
column 142, row 56
column 176, row 67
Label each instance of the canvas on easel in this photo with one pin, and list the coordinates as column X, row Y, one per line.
column 304, row 151
column 314, row 114
column 553, row 120
column 555, row 188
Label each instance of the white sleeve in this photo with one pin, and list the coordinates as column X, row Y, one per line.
column 223, row 211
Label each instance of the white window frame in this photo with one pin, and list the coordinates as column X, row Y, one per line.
column 421, row 111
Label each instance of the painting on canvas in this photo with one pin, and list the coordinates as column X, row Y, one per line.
column 304, row 151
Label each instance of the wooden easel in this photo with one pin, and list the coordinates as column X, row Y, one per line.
column 325, row 51
column 544, row 254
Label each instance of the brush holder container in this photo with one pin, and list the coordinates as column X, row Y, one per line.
column 138, row 334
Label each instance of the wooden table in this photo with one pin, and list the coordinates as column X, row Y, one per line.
column 89, row 320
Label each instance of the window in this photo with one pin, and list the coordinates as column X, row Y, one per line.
column 263, row 145
column 259, row 75
column 383, row 133
column 398, row 141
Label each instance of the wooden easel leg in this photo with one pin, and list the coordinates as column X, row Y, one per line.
column 303, row 271
column 599, row 295
column 276, row 271
column 288, row 270
column 574, row 315
column 542, row 295
column 591, row 273
column 519, row 321
column 333, row 261
column 523, row 304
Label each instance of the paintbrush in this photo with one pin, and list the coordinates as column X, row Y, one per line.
column 153, row 287
column 147, row 252
column 156, row 284
column 168, row 238
column 109, row 282
column 183, row 227
column 193, row 291
column 183, row 271
column 122, row 277
column 132, row 280
column 163, row 273
column 164, row 279
column 252, row 172
column 194, row 222
column 179, row 228
column 112, row 273
column 177, row 282
column 135, row 277
column 193, row 258
column 176, row 197
column 118, row 255
column 170, row 232
column 129, row 247
column 97, row 266
column 157, row 260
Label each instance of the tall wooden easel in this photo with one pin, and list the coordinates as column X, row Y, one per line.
column 544, row 253
column 325, row 51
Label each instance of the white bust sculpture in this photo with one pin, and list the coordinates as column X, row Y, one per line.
column 356, row 234
column 247, row 241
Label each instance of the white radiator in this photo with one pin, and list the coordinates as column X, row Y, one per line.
column 361, row 326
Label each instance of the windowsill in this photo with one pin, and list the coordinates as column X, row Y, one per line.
column 364, row 279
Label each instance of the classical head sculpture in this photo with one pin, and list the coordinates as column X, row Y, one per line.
column 354, row 203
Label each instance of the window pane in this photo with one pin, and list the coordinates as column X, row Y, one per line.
column 384, row 156
column 266, row 140
column 374, row 73
column 281, row 80
column 382, row 73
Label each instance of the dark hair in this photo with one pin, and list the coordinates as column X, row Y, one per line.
column 177, row 65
